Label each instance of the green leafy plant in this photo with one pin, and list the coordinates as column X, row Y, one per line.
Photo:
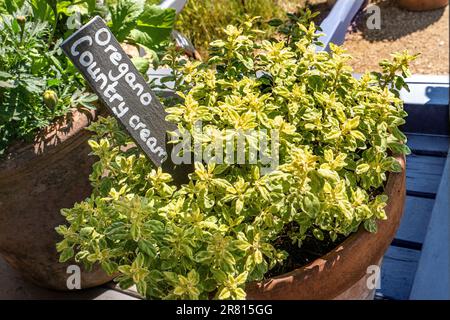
column 209, row 237
column 204, row 21
column 55, row 13
column 141, row 22
column 37, row 82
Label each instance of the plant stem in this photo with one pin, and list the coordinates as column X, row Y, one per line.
column 22, row 29
column 50, row 39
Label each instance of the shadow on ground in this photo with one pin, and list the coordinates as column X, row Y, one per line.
column 396, row 22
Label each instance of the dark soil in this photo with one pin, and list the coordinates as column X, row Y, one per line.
column 310, row 250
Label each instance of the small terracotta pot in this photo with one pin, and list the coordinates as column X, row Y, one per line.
column 36, row 181
column 422, row 5
column 342, row 273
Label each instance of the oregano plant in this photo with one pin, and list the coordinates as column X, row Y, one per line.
column 209, row 237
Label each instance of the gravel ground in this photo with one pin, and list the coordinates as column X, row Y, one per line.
column 418, row 32
column 426, row 33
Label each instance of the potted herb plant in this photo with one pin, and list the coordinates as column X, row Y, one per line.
column 309, row 228
column 44, row 111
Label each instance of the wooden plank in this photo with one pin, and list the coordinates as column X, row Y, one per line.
column 432, row 277
column 428, row 119
column 425, row 93
column 415, row 219
column 132, row 291
column 428, row 78
column 427, row 144
column 95, row 51
column 429, row 96
column 110, row 73
column 14, row 287
column 423, row 175
column 397, row 272
column 177, row 5
column 336, row 24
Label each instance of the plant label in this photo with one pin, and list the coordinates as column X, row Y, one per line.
column 110, row 73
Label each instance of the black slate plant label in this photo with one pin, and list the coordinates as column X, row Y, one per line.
column 110, row 73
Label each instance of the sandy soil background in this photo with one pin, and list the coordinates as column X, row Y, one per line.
column 418, row 32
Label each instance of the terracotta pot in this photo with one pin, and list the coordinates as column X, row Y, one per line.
column 343, row 272
column 36, row 181
column 422, row 5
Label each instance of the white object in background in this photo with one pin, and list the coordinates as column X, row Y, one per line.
column 174, row 4
column 337, row 22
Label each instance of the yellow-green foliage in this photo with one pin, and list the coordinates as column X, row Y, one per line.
column 211, row 236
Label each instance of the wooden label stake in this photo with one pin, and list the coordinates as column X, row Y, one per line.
column 110, row 73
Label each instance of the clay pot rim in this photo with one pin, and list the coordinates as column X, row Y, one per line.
column 313, row 279
column 50, row 139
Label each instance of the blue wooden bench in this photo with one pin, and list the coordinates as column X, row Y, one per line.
column 432, row 276
column 416, row 265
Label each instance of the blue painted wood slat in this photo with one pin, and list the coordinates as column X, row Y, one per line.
column 397, row 272
column 415, row 219
column 427, row 119
column 432, row 277
column 423, row 175
column 429, row 145
column 335, row 25
column 427, row 104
